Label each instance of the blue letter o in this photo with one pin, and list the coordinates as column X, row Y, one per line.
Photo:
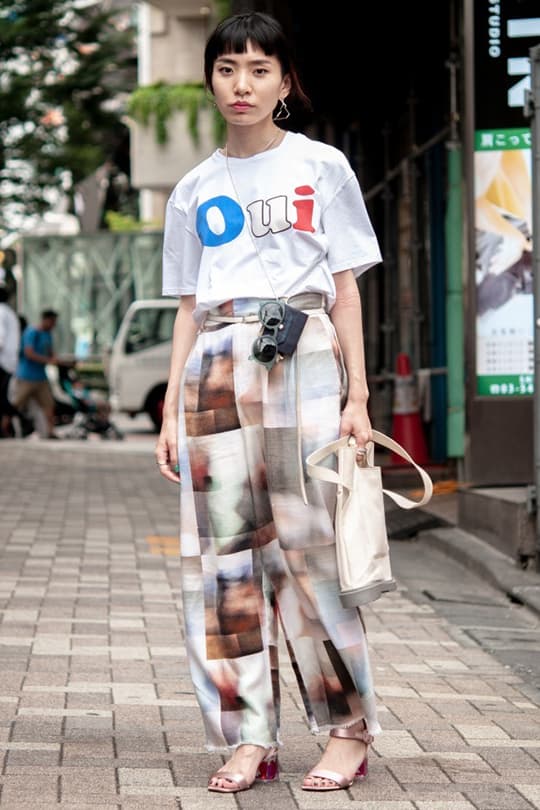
column 232, row 215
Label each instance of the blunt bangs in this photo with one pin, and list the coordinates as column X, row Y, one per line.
column 233, row 34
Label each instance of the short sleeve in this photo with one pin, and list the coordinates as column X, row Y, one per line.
column 181, row 254
column 352, row 242
column 29, row 339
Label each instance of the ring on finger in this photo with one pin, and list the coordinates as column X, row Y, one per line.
column 162, row 463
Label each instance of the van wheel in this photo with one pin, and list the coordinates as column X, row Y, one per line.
column 155, row 408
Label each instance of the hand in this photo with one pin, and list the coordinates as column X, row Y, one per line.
column 355, row 422
column 61, row 362
column 166, row 452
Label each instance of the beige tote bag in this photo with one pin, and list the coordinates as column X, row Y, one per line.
column 363, row 553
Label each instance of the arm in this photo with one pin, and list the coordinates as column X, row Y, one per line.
column 346, row 315
column 31, row 354
column 37, row 358
column 184, row 333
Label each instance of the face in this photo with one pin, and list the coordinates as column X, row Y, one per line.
column 48, row 324
column 247, row 86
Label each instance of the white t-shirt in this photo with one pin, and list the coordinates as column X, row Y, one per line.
column 299, row 206
column 10, row 336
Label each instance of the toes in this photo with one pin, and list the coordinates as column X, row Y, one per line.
column 317, row 781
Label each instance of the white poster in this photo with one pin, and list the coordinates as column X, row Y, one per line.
column 504, row 284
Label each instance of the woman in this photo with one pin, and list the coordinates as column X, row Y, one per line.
column 272, row 215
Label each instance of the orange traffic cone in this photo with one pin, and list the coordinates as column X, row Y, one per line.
column 407, row 429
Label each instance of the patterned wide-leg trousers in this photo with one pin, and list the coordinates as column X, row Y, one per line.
column 257, row 541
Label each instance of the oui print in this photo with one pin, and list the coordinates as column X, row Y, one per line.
column 221, row 219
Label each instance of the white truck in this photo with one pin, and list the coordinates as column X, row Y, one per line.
column 137, row 365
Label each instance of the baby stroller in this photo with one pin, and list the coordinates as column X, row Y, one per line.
column 92, row 414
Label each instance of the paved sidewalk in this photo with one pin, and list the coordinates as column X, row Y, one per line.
column 95, row 696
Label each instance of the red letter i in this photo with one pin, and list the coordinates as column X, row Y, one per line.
column 304, row 209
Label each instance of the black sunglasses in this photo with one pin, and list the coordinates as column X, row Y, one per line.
column 265, row 346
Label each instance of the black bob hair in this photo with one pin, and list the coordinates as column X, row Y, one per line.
column 232, row 35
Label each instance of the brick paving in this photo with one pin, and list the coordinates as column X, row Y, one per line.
column 96, row 705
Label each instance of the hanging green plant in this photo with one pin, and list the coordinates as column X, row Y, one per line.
column 156, row 103
column 159, row 101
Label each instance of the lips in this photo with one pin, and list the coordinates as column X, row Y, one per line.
column 241, row 105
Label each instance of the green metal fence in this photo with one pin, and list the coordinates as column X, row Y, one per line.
column 90, row 280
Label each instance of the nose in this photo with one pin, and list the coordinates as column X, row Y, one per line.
column 242, row 85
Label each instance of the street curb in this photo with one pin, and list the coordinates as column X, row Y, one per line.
column 498, row 569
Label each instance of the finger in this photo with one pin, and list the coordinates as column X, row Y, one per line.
column 170, row 473
column 161, row 453
column 363, row 437
column 166, row 451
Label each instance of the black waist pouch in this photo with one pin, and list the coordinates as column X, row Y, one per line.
column 289, row 331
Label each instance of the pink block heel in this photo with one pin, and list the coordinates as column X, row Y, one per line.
column 338, row 780
column 362, row 770
column 268, row 769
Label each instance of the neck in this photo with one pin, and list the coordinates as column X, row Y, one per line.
column 246, row 143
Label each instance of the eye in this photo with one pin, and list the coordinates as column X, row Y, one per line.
column 225, row 70
column 260, row 71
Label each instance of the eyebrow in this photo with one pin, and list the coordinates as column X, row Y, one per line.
column 231, row 60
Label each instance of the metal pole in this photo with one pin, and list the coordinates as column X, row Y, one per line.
column 532, row 110
column 469, row 252
column 455, row 351
column 388, row 326
column 415, row 328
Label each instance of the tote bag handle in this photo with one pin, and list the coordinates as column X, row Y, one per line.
column 326, row 474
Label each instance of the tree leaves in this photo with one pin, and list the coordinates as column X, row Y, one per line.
column 64, row 75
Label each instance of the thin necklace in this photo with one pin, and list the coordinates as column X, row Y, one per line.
column 235, row 189
column 270, row 143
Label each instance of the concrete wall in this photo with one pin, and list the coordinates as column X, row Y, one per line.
column 172, row 36
column 176, row 47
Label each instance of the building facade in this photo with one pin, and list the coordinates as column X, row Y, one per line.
column 400, row 91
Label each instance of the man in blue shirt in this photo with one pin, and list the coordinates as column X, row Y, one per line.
column 31, row 377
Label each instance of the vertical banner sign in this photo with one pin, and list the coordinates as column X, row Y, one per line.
column 503, row 34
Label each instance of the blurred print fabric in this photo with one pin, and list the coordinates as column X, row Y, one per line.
column 254, row 554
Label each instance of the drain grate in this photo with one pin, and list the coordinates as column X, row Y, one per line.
column 464, row 599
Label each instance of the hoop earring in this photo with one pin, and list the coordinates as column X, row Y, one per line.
column 282, row 113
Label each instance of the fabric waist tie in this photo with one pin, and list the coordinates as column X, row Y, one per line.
column 225, row 313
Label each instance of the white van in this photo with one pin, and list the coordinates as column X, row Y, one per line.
column 137, row 366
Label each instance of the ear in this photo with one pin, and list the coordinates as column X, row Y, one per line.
column 285, row 87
